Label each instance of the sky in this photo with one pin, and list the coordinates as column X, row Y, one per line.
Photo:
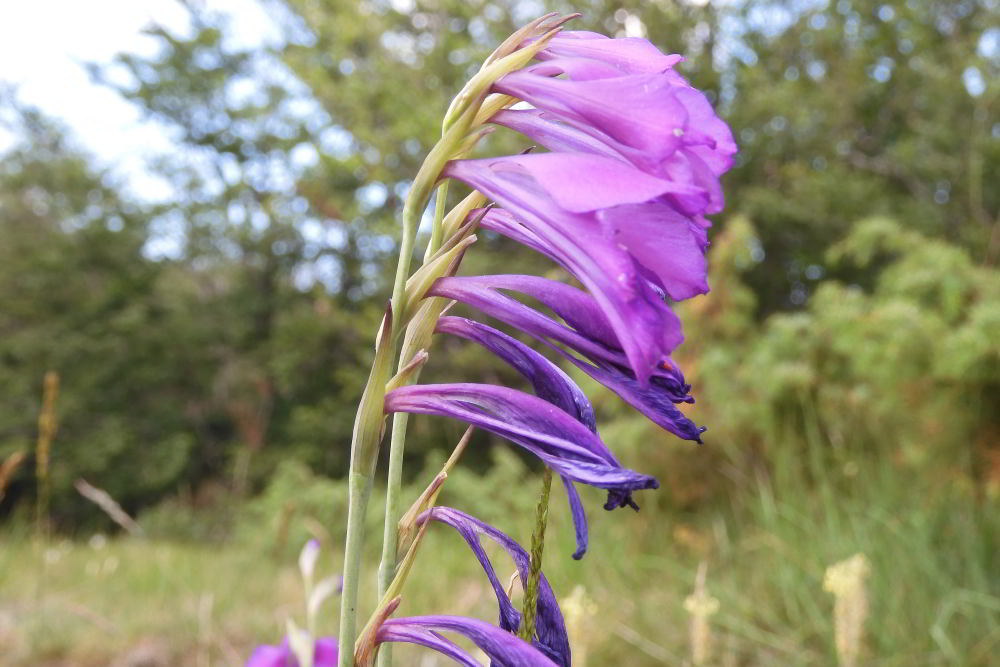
column 44, row 43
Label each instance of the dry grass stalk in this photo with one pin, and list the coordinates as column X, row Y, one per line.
column 47, row 426
column 701, row 606
column 846, row 581
column 9, row 467
column 104, row 500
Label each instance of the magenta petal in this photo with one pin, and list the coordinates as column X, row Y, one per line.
column 639, row 110
column 702, row 191
column 553, row 134
column 688, row 167
column 656, row 400
column 324, row 654
column 428, row 638
column 575, row 306
column 481, row 292
column 632, row 55
column 577, row 69
column 662, row 241
column 527, row 420
column 703, row 122
column 582, row 182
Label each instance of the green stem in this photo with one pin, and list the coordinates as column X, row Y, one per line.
column 360, row 476
column 390, row 534
column 439, row 210
column 367, row 441
column 527, row 629
column 360, row 489
column 397, row 443
column 410, row 215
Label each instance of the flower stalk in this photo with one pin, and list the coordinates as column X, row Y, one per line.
column 462, row 124
column 527, row 630
column 369, row 426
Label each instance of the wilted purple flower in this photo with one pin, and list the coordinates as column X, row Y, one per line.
column 590, row 336
column 558, row 439
column 324, row 654
column 549, row 382
column 550, row 629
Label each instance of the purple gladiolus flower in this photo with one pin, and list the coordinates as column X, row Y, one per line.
column 324, row 654
column 598, row 248
column 550, row 629
column 558, row 439
column 639, row 110
column 590, row 336
column 642, row 105
column 503, row 648
column 611, row 227
column 685, row 166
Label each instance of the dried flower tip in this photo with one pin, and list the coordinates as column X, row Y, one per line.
column 408, row 522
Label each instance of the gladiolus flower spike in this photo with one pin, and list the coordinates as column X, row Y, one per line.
column 629, row 167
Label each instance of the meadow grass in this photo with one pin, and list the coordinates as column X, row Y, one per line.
column 932, row 591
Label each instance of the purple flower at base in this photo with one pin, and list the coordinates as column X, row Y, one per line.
column 550, row 629
column 590, row 336
column 503, row 648
column 558, row 439
column 324, row 654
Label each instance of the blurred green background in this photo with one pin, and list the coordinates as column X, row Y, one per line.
column 211, row 346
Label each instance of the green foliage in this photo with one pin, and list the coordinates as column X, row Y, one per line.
column 907, row 370
column 296, row 505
